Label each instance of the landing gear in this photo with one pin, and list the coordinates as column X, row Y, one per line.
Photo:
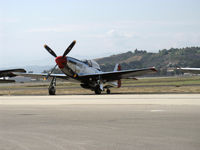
column 108, row 91
column 97, row 90
column 52, row 89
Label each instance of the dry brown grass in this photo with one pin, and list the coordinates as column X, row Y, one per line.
column 146, row 85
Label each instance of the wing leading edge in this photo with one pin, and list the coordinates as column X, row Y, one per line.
column 117, row 75
column 106, row 76
column 42, row 75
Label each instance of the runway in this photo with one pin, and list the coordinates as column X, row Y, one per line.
column 89, row 122
column 151, row 99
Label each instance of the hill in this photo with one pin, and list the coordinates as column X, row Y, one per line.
column 163, row 60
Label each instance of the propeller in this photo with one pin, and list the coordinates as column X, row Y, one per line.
column 54, row 54
column 69, row 48
column 50, row 50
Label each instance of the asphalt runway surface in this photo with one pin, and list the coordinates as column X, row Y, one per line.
column 105, row 122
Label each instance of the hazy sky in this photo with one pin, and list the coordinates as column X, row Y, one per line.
column 101, row 27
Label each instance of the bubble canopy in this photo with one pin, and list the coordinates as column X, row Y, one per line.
column 92, row 63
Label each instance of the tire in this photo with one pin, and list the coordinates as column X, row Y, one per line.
column 97, row 90
column 52, row 91
column 108, row 91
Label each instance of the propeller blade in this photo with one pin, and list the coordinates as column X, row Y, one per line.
column 50, row 50
column 69, row 48
column 51, row 71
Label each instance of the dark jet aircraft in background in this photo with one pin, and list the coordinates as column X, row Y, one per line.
column 87, row 73
column 9, row 73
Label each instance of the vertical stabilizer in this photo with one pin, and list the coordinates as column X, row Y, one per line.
column 118, row 68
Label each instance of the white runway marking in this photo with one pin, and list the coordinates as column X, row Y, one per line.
column 157, row 110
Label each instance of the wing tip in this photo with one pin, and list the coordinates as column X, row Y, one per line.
column 23, row 71
column 153, row 69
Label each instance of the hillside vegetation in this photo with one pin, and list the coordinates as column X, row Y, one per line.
column 164, row 60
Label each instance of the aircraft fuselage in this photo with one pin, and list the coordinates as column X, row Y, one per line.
column 73, row 67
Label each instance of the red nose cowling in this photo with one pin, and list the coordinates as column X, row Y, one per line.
column 61, row 61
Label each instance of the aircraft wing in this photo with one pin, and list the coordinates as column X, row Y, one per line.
column 42, row 75
column 10, row 72
column 190, row 70
column 117, row 75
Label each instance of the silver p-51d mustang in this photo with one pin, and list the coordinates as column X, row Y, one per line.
column 87, row 72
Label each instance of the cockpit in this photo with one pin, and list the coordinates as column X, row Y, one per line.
column 92, row 63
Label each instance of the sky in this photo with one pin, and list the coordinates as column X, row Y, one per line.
column 100, row 27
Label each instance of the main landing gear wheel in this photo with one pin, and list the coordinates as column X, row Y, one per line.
column 52, row 89
column 97, row 90
column 108, row 91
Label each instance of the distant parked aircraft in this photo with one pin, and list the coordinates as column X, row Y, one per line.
column 87, row 73
column 9, row 73
column 190, row 70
